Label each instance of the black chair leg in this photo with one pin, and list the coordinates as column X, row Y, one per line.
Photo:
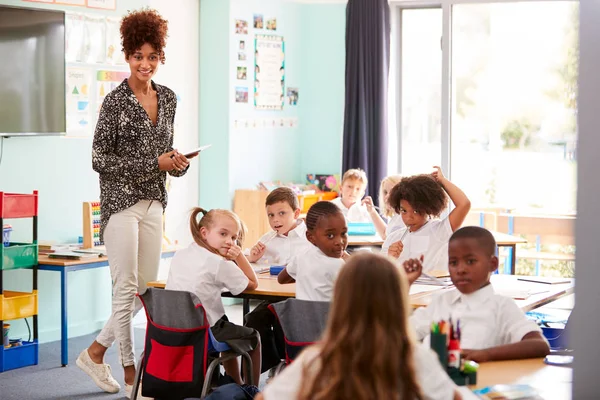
column 138, row 377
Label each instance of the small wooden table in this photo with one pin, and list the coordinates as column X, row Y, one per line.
column 64, row 266
column 552, row 382
column 510, row 241
column 502, row 240
column 365, row 240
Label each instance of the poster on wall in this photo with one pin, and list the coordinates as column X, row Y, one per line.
column 269, row 72
column 74, row 37
column 106, row 81
column 78, row 108
column 113, row 42
column 102, row 4
column 94, row 50
column 71, row 2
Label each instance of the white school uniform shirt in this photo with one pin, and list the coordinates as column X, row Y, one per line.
column 356, row 213
column 486, row 319
column 315, row 274
column 431, row 241
column 197, row 270
column 434, row 381
column 394, row 224
column 280, row 248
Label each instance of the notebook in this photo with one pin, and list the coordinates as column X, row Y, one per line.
column 540, row 279
column 71, row 255
column 508, row 392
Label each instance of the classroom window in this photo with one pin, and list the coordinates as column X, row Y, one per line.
column 513, row 124
column 513, row 130
column 421, row 73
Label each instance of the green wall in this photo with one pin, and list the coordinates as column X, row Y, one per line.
column 61, row 170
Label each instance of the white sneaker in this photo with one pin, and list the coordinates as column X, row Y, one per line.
column 129, row 388
column 100, row 373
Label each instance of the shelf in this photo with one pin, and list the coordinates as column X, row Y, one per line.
column 19, row 255
column 19, row 356
column 13, row 205
column 15, row 305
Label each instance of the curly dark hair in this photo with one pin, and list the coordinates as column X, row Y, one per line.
column 422, row 192
column 144, row 26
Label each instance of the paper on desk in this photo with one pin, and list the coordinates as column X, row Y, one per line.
column 416, row 288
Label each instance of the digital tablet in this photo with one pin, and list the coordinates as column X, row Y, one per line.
column 197, row 150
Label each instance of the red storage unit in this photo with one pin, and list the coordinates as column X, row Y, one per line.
column 17, row 305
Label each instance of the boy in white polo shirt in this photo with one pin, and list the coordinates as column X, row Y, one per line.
column 277, row 247
column 288, row 236
column 492, row 326
column 352, row 190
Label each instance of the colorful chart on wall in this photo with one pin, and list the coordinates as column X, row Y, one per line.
column 269, row 72
column 106, row 81
column 79, row 113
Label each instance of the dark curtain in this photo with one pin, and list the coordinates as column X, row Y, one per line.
column 367, row 67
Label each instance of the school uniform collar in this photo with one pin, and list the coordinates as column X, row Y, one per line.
column 299, row 230
column 476, row 298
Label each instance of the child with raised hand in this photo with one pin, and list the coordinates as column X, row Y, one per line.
column 352, row 190
column 420, row 200
column 394, row 221
column 212, row 263
column 315, row 270
column 288, row 236
column 367, row 350
column 492, row 326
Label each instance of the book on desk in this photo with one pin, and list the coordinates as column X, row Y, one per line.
column 75, row 255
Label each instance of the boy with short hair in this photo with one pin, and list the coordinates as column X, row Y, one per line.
column 352, row 190
column 289, row 232
column 277, row 247
column 492, row 326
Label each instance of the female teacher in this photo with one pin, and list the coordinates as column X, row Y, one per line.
column 132, row 151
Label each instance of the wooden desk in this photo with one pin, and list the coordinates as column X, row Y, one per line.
column 64, row 266
column 367, row 240
column 270, row 289
column 551, row 382
column 510, row 241
column 502, row 240
column 543, row 293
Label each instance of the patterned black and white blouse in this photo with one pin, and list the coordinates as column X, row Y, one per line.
column 126, row 148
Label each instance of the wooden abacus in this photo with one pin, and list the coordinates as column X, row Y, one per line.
column 91, row 224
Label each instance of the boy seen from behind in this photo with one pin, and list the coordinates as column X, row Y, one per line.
column 492, row 326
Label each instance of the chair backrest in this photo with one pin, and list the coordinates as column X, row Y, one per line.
column 174, row 308
column 176, row 344
column 302, row 322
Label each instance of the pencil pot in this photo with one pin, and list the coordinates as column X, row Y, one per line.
column 439, row 344
column 6, row 229
column 276, row 269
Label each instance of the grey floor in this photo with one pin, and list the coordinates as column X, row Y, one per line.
column 49, row 381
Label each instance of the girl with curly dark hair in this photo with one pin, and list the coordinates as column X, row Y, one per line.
column 420, row 200
column 132, row 152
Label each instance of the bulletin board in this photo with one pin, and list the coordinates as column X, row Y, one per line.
column 269, row 72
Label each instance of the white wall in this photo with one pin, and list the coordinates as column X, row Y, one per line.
column 180, row 73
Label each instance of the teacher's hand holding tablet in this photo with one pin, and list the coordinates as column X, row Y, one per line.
column 173, row 160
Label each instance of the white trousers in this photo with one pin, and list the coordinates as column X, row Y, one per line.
column 133, row 240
